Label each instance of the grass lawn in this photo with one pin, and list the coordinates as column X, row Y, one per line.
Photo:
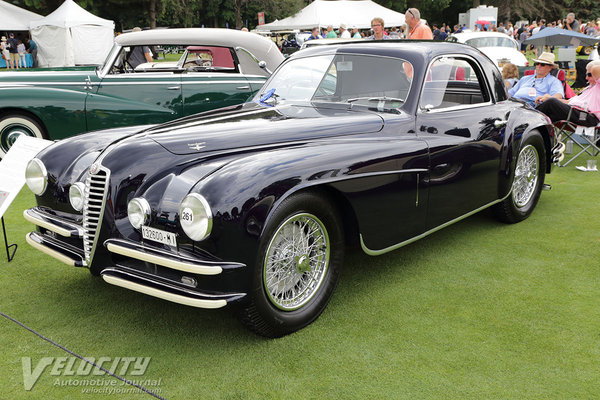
column 480, row 310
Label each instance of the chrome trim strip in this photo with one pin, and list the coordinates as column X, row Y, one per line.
column 455, row 108
column 183, row 81
column 51, row 227
column 429, row 232
column 164, row 261
column 52, row 253
column 175, row 298
column 370, row 174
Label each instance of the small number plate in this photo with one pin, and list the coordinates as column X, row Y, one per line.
column 156, row 235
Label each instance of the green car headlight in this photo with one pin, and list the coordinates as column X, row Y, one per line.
column 195, row 217
column 36, row 176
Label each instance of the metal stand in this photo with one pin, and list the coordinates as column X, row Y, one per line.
column 9, row 255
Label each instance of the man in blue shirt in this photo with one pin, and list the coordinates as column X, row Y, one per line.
column 537, row 88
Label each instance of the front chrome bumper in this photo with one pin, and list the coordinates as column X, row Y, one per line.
column 129, row 263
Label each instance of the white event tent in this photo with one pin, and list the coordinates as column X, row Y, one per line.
column 72, row 36
column 13, row 18
column 322, row 13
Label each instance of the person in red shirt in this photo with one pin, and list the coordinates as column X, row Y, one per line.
column 417, row 28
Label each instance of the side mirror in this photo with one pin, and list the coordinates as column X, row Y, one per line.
column 261, row 64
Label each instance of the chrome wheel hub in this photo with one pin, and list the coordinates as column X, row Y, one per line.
column 526, row 176
column 296, row 261
column 10, row 134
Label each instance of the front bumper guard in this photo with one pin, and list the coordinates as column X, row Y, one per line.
column 166, row 259
column 56, row 249
column 156, row 288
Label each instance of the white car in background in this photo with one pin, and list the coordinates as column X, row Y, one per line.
column 499, row 47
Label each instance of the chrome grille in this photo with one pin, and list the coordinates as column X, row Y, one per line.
column 93, row 210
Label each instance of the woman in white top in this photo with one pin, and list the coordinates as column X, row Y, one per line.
column 5, row 52
column 21, row 50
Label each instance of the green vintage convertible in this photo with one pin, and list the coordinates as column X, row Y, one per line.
column 148, row 77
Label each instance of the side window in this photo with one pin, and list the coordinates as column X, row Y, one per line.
column 208, row 58
column 453, row 82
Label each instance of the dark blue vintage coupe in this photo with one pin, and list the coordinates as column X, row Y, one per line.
column 376, row 144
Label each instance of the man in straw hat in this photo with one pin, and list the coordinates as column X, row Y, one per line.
column 540, row 86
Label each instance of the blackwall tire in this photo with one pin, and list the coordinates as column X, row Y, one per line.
column 300, row 256
column 529, row 174
column 14, row 125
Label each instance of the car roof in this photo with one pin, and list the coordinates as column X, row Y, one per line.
column 402, row 48
column 264, row 49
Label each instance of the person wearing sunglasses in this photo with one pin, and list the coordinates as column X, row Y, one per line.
column 588, row 100
column 416, row 28
column 540, row 86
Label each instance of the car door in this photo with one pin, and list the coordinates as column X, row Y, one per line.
column 212, row 79
column 128, row 97
column 464, row 129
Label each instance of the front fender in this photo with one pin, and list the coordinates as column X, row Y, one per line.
column 521, row 123
column 244, row 192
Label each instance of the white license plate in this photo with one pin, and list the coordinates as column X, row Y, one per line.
column 156, row 235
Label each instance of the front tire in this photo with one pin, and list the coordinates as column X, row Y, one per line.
column 14, row 125
column 528, row 180
column 300, row 255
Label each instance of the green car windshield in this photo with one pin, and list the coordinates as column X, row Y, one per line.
column 344, row 78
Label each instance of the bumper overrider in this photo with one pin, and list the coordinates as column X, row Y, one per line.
column 180, row 278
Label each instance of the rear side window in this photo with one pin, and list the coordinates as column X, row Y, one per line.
column 453, row 82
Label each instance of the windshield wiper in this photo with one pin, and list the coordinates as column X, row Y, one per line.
column 381, row 98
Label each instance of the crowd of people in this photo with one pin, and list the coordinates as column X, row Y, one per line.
column 14, row 51
column 519, row 31
column 542, row 89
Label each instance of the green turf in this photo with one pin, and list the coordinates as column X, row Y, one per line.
column 479, row 310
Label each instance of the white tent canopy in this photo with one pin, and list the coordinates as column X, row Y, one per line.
column 13, row 18
column 72, row 36
column 322, row 13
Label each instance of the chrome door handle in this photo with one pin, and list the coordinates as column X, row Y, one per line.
column 242, row 87
column 500, row 123
column 174, row 88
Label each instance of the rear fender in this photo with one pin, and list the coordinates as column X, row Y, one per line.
column 61, row 111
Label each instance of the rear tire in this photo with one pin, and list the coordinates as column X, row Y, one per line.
column 297, row 269
column 529, row 174
column 14, row 125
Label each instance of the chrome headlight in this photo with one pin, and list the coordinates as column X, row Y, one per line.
column 76, row 192
column 138, row 212
column 36, row 176
column 195, row 217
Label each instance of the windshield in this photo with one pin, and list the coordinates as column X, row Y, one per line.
column 340, row 78
column 491, row 42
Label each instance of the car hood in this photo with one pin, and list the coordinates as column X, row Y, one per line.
column 255, row 125
column 497, row 53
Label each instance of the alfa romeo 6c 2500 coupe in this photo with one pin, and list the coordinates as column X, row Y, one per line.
column 375, row 144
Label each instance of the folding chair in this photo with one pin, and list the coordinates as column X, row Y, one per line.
column 579, row 128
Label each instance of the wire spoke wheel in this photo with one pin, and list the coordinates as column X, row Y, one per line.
column 526, row 176
column 296, row 261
